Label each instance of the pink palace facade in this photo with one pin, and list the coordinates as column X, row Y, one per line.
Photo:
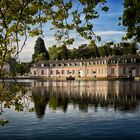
column 112, row 66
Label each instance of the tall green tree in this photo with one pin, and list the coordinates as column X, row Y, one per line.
column 131, row 19
column 40, row 52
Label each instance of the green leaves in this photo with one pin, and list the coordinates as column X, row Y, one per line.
column 3, row 122
column 131, row 19
column 35, row 32
column 105, row 8
column 20, row 19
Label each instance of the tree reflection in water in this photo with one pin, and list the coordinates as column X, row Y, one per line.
column 122, row 96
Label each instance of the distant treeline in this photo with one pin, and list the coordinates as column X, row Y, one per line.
column 83, row 51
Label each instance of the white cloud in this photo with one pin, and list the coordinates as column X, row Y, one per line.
column 112, row 14
column 109, row 33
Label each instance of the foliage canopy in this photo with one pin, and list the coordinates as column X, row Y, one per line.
column 131, row 19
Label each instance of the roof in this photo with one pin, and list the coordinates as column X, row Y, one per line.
column 110, row 59
column 71, row 60
column 130, row 56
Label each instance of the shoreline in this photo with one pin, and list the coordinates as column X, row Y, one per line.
column 76, row 79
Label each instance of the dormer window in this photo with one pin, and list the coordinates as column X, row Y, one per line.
column 134, row 60
column 125, row 61
column 42, row 65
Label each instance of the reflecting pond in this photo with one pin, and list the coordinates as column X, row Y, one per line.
column 75, row 110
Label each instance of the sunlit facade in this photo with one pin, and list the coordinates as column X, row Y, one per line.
column 112, row 66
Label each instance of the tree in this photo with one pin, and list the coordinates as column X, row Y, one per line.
column 128, row 48
column 22, row 68
column 61, row 52
column 131, row 19
column 53, row 52
column 40, row 51
column 20, row 18
column 93, row 44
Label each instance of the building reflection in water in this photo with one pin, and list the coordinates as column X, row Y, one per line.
column 119, row 95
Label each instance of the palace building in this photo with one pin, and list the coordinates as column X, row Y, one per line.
column 112, row 66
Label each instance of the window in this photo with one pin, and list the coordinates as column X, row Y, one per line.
column 67, row 71
column 57, row 72
column 51, row 72
column 42, row 65
column 42, row 72
column 34, row 72
column 87, row 71
column 81, row 64
column 63, row 72
column 112, row 71
column 134, row 60
column 125, row 61
column 102, row 71
column 99, row 71
column 88, row 63
column 42, row 84
column 73, row 71
column 124, row 70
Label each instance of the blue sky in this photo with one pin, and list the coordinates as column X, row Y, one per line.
column 106, row 26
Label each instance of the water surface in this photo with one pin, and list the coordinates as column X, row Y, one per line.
column 76, row 110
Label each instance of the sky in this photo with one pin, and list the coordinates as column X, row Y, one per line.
column 106, row 26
